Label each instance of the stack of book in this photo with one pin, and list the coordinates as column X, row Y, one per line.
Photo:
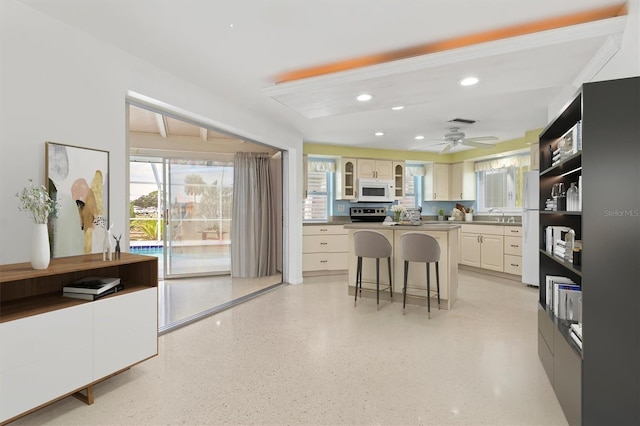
column 562, row 297
column 92, row 288
column 576, row 334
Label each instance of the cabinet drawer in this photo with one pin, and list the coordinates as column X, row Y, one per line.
column 512, row 264
column 324, row 230
column 513, row 230
column 324, row 261
column 483, row 229
column 513, row 245
column 325, row 243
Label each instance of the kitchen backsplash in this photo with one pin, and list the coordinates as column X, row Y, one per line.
column 341, row 207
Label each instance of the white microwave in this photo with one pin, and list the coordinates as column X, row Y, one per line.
column 375, row 191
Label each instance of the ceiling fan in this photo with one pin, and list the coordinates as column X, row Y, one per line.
column 456, row 137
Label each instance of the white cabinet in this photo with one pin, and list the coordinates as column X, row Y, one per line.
column 513, row 250
column 463, row 181
column 482, row 246
column 52, row 346
column 375, row 169
column 44, row 356
column 398, row 179
column 128, row 321
column 324, row 248
column 346, row 179
column 436, row 182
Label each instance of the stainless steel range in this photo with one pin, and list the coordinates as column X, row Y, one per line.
column 367, row 214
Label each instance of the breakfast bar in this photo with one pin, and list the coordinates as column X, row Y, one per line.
column 447, row 236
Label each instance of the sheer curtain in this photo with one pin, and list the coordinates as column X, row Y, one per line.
column 253, row 229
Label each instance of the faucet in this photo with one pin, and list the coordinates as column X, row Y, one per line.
column 494, row 209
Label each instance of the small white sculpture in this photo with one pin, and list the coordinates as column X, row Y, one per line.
column 107, row 244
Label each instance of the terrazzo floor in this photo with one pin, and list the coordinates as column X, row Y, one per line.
column 304, row 355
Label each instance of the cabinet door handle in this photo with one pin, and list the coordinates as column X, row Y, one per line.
column 478, row 238
column 514, row 231
column 434, row 195
column 515, row 264
column 323, row 243
column 323, row 261
column 514, row 245
column 323, row 229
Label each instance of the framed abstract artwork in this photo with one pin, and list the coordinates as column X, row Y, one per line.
column 78, row 178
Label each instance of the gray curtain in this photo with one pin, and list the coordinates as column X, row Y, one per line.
column 253, row 229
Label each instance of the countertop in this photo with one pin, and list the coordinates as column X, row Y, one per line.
column 424, row 222
column 435, row 226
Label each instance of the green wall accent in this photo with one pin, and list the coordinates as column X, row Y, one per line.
column 531, row 136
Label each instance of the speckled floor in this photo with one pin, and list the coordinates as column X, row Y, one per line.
column 304, row 355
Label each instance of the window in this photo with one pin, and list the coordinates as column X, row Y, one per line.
column 319, row 190
column 412, row 185
column 501, row 183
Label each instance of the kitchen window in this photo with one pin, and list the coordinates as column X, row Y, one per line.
column 319, row 189
column 412, row 185
column 500, row 183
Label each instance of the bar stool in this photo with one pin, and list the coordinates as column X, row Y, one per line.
column 417, row 247
column 371, row 244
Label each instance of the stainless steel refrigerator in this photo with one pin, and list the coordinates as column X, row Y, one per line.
column 530, row 228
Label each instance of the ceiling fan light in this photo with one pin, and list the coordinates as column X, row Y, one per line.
column 469, row 81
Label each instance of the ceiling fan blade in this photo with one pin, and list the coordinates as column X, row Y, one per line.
column 482, row 138
column 478, row 144
column 446, row 148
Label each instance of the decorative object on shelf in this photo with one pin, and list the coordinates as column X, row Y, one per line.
column 107, row 244
column 117, row 250
column 573, row 202
column 35, row 201
column 78, row 178
column 441, row 214
column 397, row 210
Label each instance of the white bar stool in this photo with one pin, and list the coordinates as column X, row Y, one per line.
column 418, row 247
column 371, row 244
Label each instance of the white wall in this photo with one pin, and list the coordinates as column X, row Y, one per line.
column 58, row 84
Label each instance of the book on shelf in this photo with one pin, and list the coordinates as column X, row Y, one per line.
column 551, row 280
column 568, row 308
column 91, row 285
column 85, row 296
column 577, row 329
column 558, row 293
column 576, row 339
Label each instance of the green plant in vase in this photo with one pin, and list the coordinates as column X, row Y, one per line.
column 397, row 209
column 441, row 214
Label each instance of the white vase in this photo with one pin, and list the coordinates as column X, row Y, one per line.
column 40, row 253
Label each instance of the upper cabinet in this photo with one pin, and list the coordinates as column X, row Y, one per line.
column 375, row 169
column 346, row 179
column 436, row 182
column 463, row 181
column 398, row 178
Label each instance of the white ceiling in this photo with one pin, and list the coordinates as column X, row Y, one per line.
column 238, row 48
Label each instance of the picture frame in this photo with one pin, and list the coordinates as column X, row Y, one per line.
column 78, row 178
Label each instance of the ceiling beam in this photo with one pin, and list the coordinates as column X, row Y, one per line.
column 162, row 125
column 457, row 42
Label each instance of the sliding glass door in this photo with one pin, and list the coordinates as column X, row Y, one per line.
column 198, row 217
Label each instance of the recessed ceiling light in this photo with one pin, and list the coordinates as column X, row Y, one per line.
column 469, row 81
column 379, row 133
column 397, row 108
column 364, row 97
column 419, row 137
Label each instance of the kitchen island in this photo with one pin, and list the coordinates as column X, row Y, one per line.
column 447, row 236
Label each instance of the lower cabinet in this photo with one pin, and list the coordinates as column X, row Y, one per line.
column 57, row 353
column 324, row 248
column 562, row 365
column 44, row 356
column 482, row 246
column 513, row 250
